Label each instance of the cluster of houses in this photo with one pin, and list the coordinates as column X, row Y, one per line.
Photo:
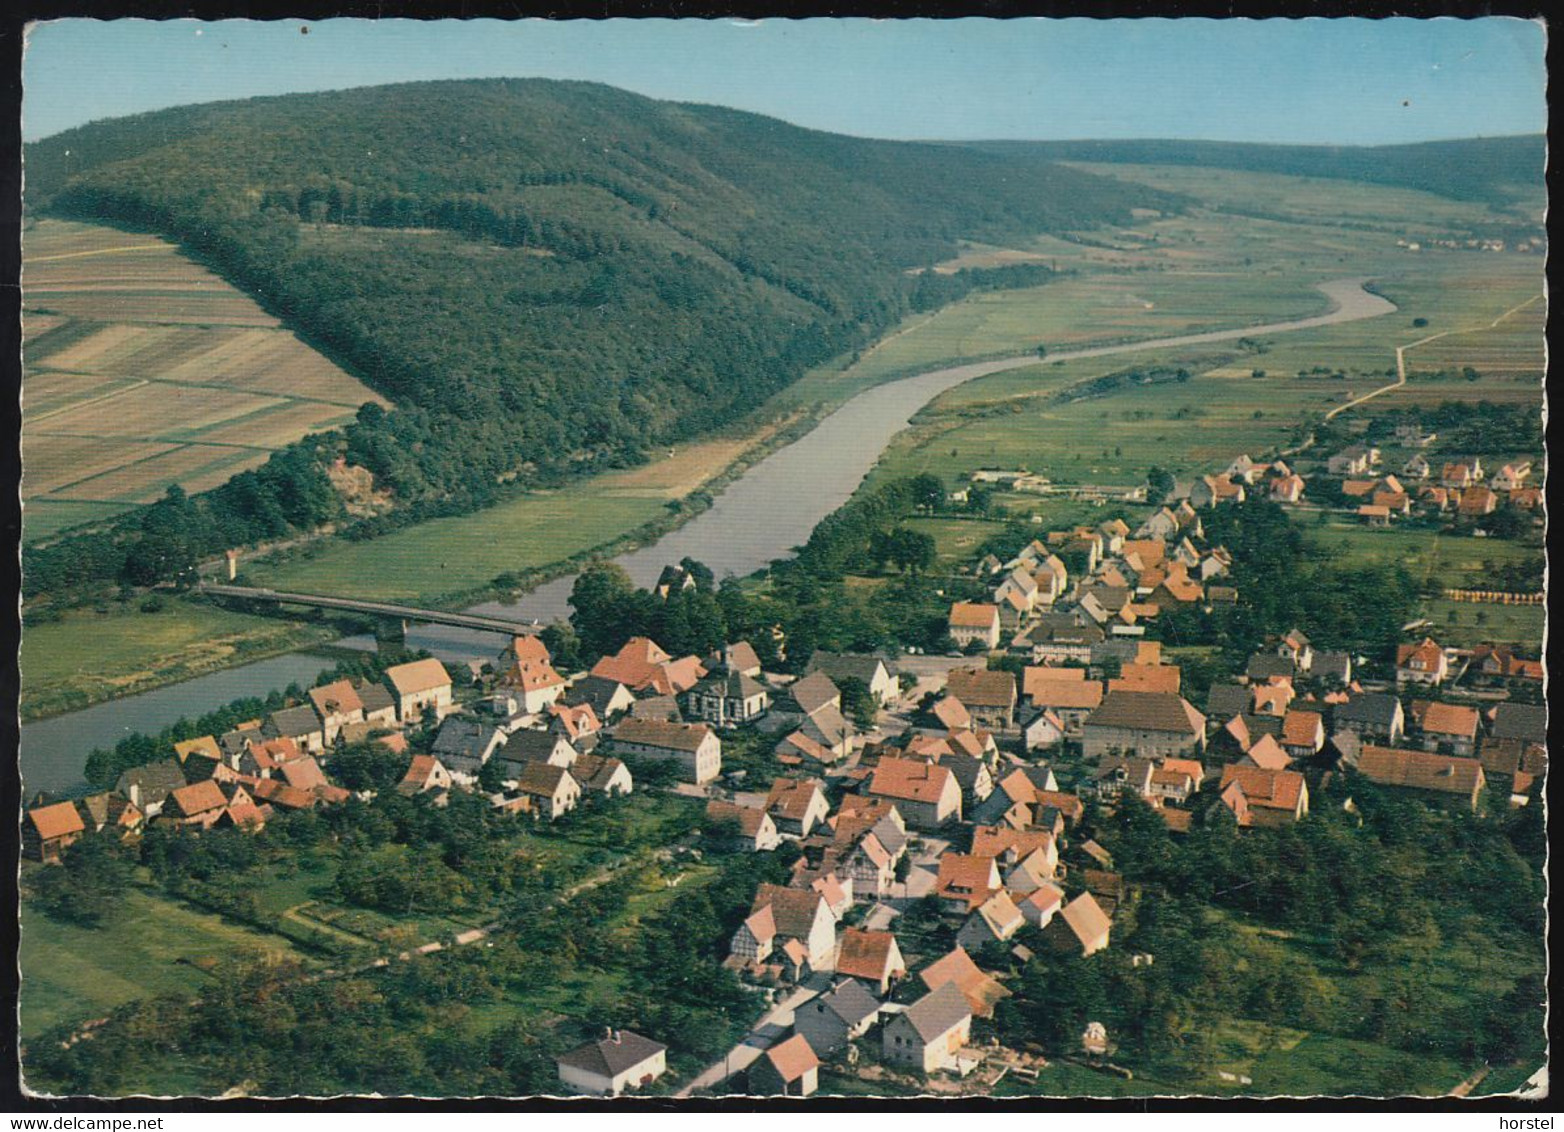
column 967, row 795
column 245, row 776
column 1125, row 582
column 1459, row 487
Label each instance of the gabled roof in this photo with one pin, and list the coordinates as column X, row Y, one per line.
column 1419, row 770
column 1227, row 700
column 418, row 676
column 1371, row 707
column 1148, row 711
column 979, row 990
column 59, row 820
column 1061, row 688
column 793, row 798
column 793, row 1058
column 338, row 697
column 199, row 798
column 542, row 779
column 304, row 773
column 910, row 780
column 1302, row 728
column 532, row 746
column 749, row 820
column 613, row 1055
column 1450, row 719
column 811, row 692
column 205, row 747
column 1146, row 678
column 966, row 877
column 1267, row 754
column 997, row 841
column 849, row 1001
column 981, row 687
column 661, row 733
column 973, row 615
column 595, row 771
column 1000, row 914
column 867, row 955
column 793, row 910
column 1085, row 918
column 154, row 780
column 938, row 1012
column 1520, row 721
column 1273, row 789
column 293, row 722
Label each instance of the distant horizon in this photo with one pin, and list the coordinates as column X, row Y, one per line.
column 1351, row 82
column 1126, row 139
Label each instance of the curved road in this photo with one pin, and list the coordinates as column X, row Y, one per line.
column 776, row 504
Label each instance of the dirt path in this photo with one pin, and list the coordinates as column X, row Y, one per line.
column 1401, row 360
column 1466, row 1086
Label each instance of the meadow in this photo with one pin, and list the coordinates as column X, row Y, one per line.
column 156, row 945
column 143, row 369
column 86, row 656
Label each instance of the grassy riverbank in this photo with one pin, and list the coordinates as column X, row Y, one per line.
column 88, row 656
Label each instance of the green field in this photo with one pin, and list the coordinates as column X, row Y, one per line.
column 463, row 553
column 955, row 540
column 91, row 655
column 74, row 973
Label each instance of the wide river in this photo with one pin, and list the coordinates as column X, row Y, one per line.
column 759, row 517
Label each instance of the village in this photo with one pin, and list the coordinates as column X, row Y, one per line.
column 939, row 813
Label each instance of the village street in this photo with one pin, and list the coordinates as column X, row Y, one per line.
column 772, row 1028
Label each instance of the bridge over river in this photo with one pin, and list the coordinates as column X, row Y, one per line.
column 406, row 613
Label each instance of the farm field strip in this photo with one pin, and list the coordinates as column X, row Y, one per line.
column 144, row 480
column 144, row 369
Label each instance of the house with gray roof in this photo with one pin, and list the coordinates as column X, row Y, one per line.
column 621, row 1060
column 727, row 700
column 841, row 1015
column 149, row 786
column 1526, row 722
column 872, row 671
column 608, row 698
column 930, row 1032
column 464, row 744
column 300, row 724
column 1376, row 716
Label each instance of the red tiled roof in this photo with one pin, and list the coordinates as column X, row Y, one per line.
column 1419, row 770
column 59, row 820
column 910, row 780
column 793, row 1058
column 973, row 615
column 1450, row 719
column 1271, row 789
column 866, row 955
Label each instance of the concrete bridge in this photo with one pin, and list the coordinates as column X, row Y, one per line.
column 405, row 613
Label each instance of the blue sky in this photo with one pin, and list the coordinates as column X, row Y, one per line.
column 1345, row 81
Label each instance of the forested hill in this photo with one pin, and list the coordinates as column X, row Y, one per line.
column 1490, row 170
column 544, row 277
column 596, row 269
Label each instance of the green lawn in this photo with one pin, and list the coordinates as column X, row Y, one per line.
column 72, row 974
column 87, row 656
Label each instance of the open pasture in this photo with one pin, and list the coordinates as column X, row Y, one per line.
column 153, row 947
column 133, row 348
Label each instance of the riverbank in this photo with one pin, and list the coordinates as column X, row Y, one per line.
column 759, row 504
column 93, row 656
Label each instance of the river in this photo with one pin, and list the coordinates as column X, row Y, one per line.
column 759, row 517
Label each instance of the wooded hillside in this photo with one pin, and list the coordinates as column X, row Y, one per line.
column 545, row 276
